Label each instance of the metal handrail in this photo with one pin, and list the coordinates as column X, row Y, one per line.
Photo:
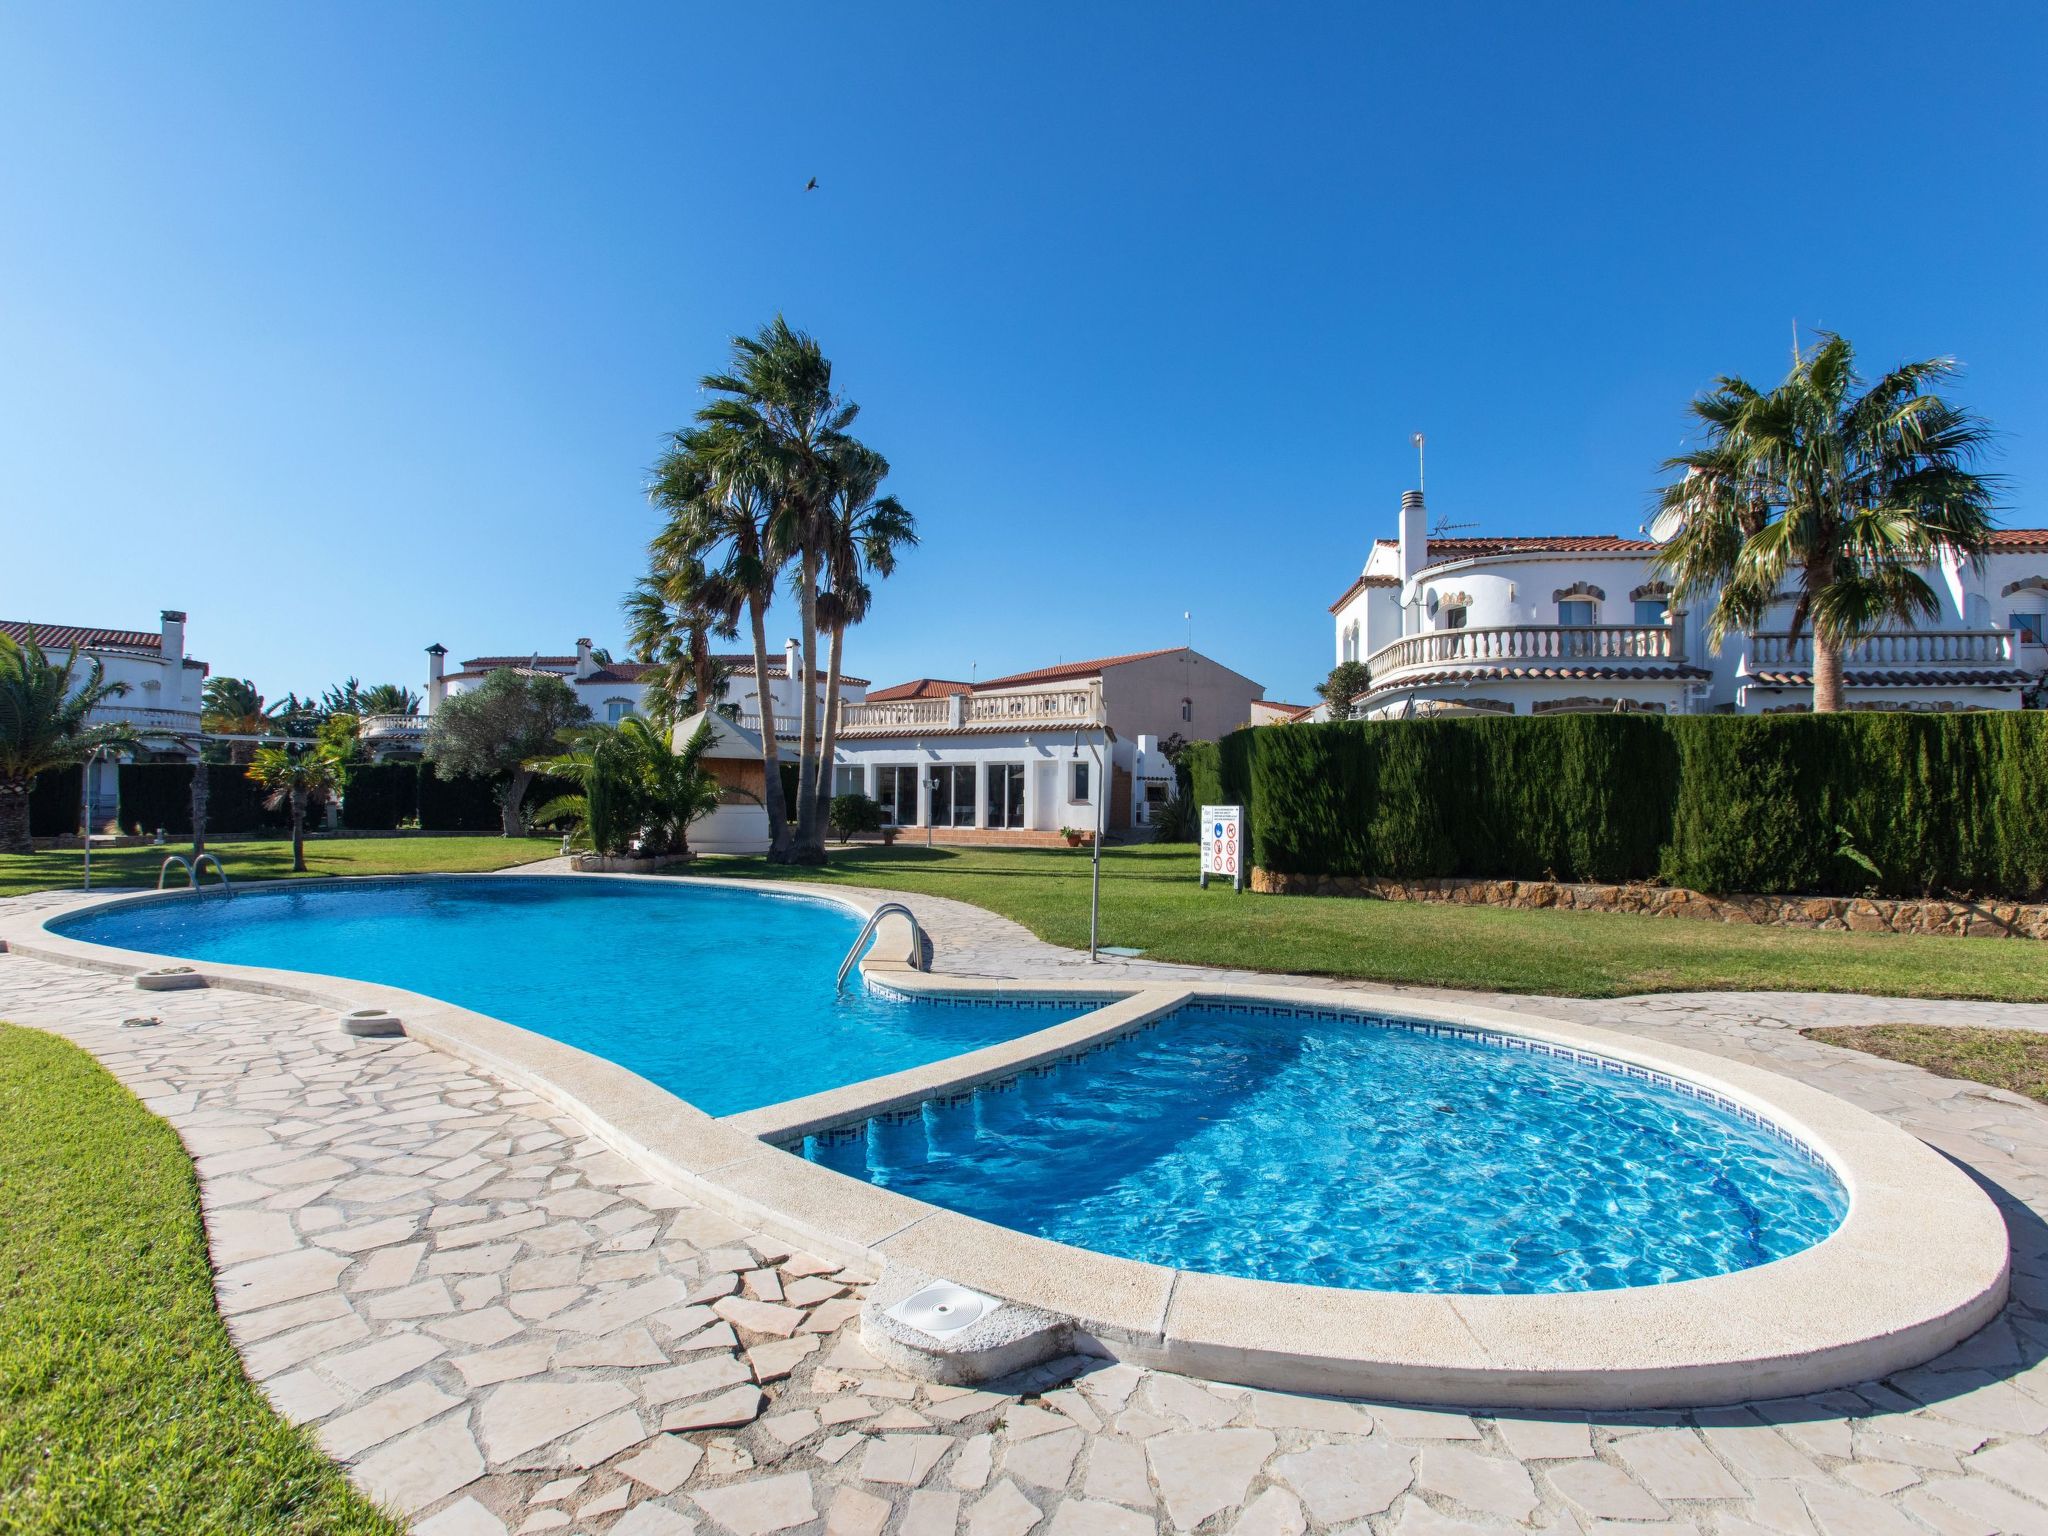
column 192, row 868
column 867, row 931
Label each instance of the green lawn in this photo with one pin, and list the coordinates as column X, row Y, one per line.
column 2011, row 1059
column 1150, row 901
column 122, row 1406
column 272, row 859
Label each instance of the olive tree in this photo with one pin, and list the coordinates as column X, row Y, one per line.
column 498, row 728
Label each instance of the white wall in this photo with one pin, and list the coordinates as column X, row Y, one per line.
column 1047, row 756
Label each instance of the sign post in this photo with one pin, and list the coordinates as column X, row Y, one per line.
column 1223, row 844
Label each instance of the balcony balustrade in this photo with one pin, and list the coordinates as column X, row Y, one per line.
column 1894, row 650
column 1508, row 644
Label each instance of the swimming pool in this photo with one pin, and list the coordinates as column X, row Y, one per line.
column 1338, row 1149
column 722, row 996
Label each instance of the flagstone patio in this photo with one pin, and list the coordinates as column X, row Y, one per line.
column 500, row 1326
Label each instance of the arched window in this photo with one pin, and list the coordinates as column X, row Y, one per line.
column 1187, row 709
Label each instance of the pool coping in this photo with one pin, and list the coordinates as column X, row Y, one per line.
column 1918, row 1264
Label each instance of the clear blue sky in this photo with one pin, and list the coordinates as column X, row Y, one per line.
column 352, row 328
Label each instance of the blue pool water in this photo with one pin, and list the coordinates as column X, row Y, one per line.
column 723, row 997
column 1333, row 1150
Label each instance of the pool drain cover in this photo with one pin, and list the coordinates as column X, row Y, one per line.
column 942, row 1309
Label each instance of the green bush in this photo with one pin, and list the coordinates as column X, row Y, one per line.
column 1176, row 820
column 53, row 802
column 854, row 813
column 1836, row 805
column 381, row 796
column 157, row 795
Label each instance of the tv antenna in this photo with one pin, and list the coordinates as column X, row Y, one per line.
column 1417, row 441
column 1443, row 527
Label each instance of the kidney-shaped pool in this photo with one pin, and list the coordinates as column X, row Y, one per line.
column 724, row 997
column 1333, row 1148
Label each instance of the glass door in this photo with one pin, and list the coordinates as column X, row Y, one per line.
column 1006, row 794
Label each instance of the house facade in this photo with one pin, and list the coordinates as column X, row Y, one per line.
column 162, row 704
column 1013, row 759
column 1538, row 625
column 610, row 690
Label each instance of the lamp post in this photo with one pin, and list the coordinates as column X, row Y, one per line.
column 1095, row 873
column 85, row 810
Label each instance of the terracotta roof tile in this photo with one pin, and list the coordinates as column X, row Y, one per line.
column 2019, row 538
column 919, row 688
column 1068, row 670
column 65, row 637
column 1930, row 678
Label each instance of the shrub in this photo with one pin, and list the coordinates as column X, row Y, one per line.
column 157, row 795
column 850, row 814
column 1831, row 804
column 1175, row 820
column 381, row 797
column 53, row 801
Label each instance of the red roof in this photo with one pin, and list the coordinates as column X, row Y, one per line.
column 2019, row 538
column 919, row 688
column 81, row 637
column 1537, row 543
column 1067, row 671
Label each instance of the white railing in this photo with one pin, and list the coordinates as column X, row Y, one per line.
column 1493, row 645
column 974, row 711
column 383, row 727
column 183, row 721
column 896, row 714
column 1933, row 648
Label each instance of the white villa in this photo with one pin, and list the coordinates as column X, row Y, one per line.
column 611, row 690
column 1581, row 623
column 163, row 698
column 1013, row 759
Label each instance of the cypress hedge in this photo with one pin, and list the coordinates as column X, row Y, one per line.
column 157, row 795
column 380, row 796
column 53, row 802
column 1900, row 804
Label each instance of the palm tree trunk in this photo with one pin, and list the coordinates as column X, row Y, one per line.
column 200, row 785
column 810, row 836
column 508, row 805
column 14, row 836
column 771, row 751
column 1827, row 674
column 828, row 743
column 298, row 832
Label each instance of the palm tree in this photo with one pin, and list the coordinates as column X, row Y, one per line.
column 232, row 706
column 777, row 399
column 631, row 783
column 388, row 699
column 1845, row 491
column 713, row 492
column 43, row 710
column 862, row 535
column 298, row 777
column 672, row 616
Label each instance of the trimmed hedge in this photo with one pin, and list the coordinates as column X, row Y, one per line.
column 157, row 795
column 380, row 796
column 53, row 797
column 1720, row 804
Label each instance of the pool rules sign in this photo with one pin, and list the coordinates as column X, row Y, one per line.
column 1223, row 844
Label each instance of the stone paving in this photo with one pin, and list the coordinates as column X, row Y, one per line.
column 499, row 1326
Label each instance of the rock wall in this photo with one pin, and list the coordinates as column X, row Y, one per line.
column 1846, row 914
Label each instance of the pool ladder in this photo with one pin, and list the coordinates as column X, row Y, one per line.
column 192, row 867
column 867, row 931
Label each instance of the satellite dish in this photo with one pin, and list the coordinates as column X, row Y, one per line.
column 942, row 1309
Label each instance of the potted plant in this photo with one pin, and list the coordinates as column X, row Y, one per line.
column 1076, row 837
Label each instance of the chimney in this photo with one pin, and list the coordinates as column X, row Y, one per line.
column 793, row 663
column 172, row 694
column 437, row 687
column 584, row 665
column 1414, row 534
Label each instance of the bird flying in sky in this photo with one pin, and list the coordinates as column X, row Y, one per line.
column 811, row 185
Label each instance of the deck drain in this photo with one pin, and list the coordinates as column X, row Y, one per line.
column 942, row 1309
